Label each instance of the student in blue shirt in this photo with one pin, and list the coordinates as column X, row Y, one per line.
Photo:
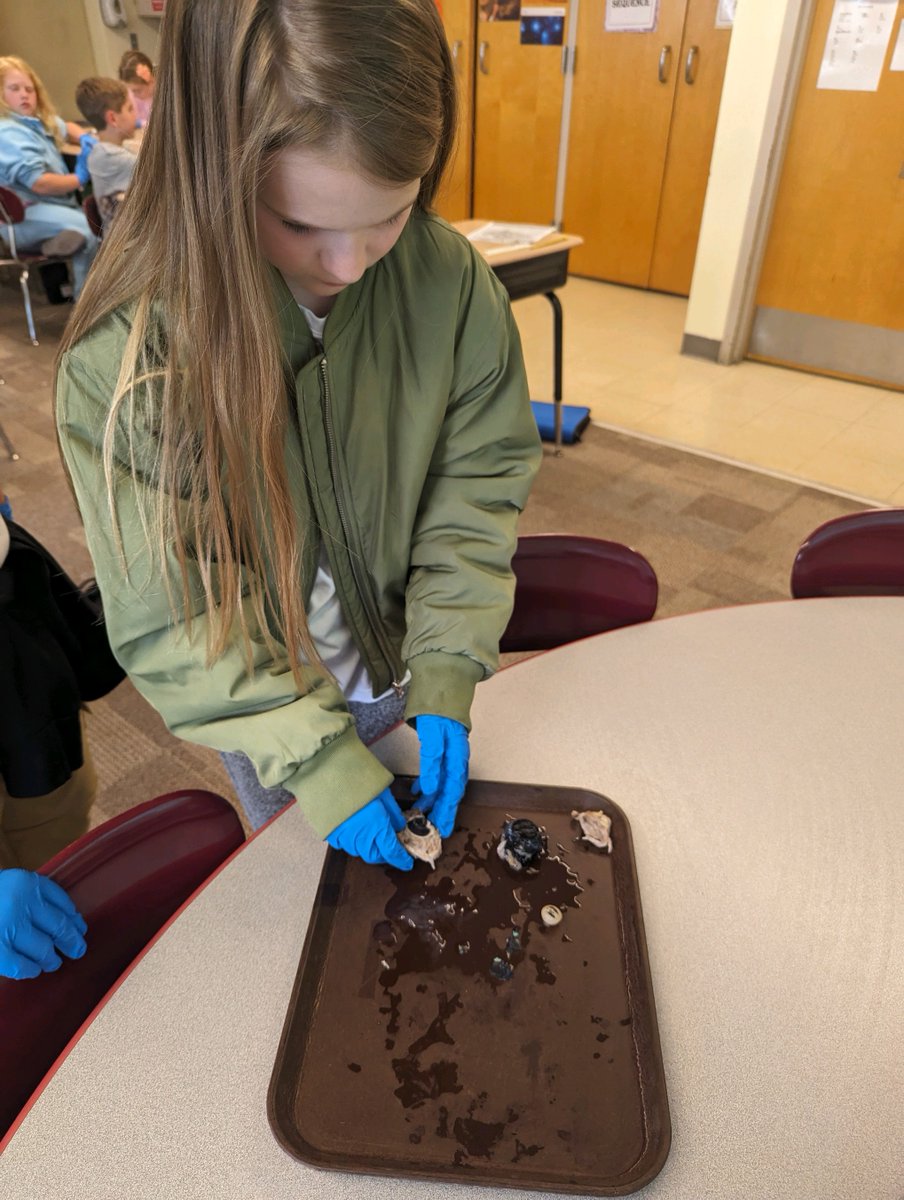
column 31, row 164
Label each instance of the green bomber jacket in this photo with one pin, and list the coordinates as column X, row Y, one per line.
column 411, row 457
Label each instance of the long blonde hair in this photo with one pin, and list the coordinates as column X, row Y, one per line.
column 44, row 109
column 203, row 365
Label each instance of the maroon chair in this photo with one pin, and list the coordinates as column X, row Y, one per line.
column 569, row 587
column 126, row 877
column 92, row 216
column 12, row 211
column 861, row 554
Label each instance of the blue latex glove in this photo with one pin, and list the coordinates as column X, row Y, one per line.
column 37, row 919
column 80, row 170
column 87, row 141
column 444, row 769
column 370, row 833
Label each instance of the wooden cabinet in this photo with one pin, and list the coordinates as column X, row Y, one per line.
column 454, row 199
column 643, row 121
column 699, row 72
column 832, row 271
column 642, row 124
column 517, row 124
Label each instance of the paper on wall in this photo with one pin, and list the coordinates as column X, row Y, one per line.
column 631, row 16
column 542, row 24
column 857, row 41
column 725, row 14
column 897, row 58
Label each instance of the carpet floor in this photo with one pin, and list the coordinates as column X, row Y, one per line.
column 716, row 534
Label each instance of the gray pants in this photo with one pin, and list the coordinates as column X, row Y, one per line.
column 260, row 803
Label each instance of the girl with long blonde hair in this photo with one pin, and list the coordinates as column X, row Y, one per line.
column 293, row 407
column 32, row 166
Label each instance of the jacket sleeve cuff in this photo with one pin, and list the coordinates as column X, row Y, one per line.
column 442, row 684
column 337, row 781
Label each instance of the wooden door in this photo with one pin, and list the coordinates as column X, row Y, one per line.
column 700, row 71
column 621, row 109
column 836, row 243
column 454, row 198
column 517, row 117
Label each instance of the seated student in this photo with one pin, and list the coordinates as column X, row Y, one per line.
column 137, row 71
column 31, row 164
column 107, row 105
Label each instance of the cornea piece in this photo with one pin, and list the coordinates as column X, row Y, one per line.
column 596, row 828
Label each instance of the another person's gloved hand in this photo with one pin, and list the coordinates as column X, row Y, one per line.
column 370, row 833
column 444, row 769
column 37, row 919
column 80, row 170
column 87, row 141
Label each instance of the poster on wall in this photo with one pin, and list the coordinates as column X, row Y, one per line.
column 857, row 42
column 725, row 14
column 631, row 16
column 542, row 24
column 503, row 10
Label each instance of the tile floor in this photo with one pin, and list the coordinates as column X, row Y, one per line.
column 622, row 359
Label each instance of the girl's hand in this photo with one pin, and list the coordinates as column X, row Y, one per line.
column 444, row 769
column 370, row 833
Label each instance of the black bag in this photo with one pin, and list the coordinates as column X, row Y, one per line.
column 54, row 655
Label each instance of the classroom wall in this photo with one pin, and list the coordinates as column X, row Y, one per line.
column 24, row 32
column 80, row 44
column 110, row 44
column 757, row 99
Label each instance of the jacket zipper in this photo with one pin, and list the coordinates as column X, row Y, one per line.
column 363, row 583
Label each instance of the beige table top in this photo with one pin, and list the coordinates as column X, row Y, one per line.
column 499, row 257
column 757, row 752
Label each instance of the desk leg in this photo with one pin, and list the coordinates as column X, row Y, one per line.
column 557, row 366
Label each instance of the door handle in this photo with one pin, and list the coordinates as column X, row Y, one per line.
column 690, row 64
column 482, row 58
column 665, row 62
column 456, row 49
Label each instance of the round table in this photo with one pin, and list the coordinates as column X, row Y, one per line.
column 758, row 755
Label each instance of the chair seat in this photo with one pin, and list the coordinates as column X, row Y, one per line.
column 12, row 212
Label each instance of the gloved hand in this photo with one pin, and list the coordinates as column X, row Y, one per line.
column 444, row 769
column 370, row 833
column 37, row 919
column 80, row 170
column 87, row 141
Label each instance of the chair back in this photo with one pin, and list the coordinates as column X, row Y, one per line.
column 126, row 877
column 860, row 554
column 92, row 215
column 568, row 587
column 12, row 210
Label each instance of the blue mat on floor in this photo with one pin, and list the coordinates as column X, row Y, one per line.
column 575, row 420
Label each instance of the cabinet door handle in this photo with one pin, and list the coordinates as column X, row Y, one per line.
column 690, row 64
column 456, row 49
column 665, row 60
column 482, row 58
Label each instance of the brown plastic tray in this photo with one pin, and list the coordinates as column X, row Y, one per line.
column 403, row 1054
